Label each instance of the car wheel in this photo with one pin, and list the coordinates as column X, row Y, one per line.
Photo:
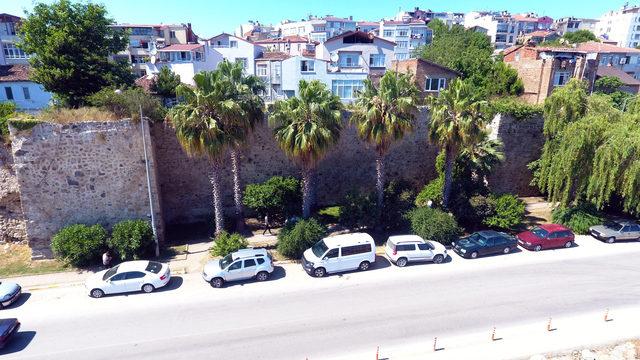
column 611, row 240
column 97, row 293
column 568, row 244
column 148, row 288
column 262, row 276
column 506, row 250
column 474, row 255
column 217, row 282
column 537, row 248
column 364, row 266
column 319, row 272
column 402, row 262
column 438, row 259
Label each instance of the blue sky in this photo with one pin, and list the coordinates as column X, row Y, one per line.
column 210, row 17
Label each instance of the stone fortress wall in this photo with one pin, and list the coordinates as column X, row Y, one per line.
column 95, row 172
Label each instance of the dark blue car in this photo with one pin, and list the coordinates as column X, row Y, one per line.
column 485, row 242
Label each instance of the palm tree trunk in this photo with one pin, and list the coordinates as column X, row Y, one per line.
column 214, row 178
column 307, row 191
column 237, row 190
column 449, row 157
column 380, row 180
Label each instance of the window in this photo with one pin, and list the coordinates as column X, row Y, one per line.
column 172, row 34
column 346, row 89
column 424, row 247
column 376, row 60
column 25, row 92
column 261, row 70
column 307, row 66
column 243, row 61
column 249, row 263
column 9, row 92
column 119, row 277
column 260, row 261
column 235, row 266
column 406, row 247
column 141, row 31
column 435, row 84
column 349, row 60
column 333, row 253
column 134, row 275
column 9, row 29
column 355, row 250
column 12, row 52
column 402, row 44
column 560, row 78
column 635, row 227
column 401, row 56
column 403, row 32
column 153, row 267
column 233, row 44
column 387, row 33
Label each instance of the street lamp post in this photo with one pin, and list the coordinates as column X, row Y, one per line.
column 146, row 163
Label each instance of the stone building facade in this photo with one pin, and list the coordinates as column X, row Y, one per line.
column 95, row 172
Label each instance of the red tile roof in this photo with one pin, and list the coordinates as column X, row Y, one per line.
column 525, row 18
column 593, row 46
column 412, row 22
column 540, row 33
column 181, row 47
column 145, row 82
column 367, row 23
column 273, row 55
column 286, row 39
column 10, row 73
column 615, row 72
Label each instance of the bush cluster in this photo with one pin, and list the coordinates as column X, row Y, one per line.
column 434, row 224
column 578, row 218
column 126, row 103
column 280, row 197
column 294, row 239
column 131, row 239
column 6, row 109
column 508, row 211
column 514, row 107
column 225, row 243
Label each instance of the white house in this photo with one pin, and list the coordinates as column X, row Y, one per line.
column 622, row 26
column 186, row 60
column 292, row 45
column 407, row 34
column 500, row 27
column 357, row 52
column 17, row 88
column 235, row 49
column 317, row 29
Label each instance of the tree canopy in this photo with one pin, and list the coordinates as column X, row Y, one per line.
column 70, row 45
column 166, row 83
column 612, row 87
column 470, row 53
column 592, row 151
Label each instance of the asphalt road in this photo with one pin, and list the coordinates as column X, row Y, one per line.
column 294, row 316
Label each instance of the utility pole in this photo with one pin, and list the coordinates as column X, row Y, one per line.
column 146, row 163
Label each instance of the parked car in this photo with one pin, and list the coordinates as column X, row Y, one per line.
column 403, row 249
column 8, row 327
column 340, row 253
column 240, row 265
column 9, row 293
column 129, row 276
column 484, row 243
column 547, row 236
column 612, row 231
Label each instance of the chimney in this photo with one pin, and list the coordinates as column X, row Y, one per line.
column 350, row 17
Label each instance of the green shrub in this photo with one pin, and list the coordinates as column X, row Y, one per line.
column 432, row 191
column 294, row 239
column 79, row 245
column 434, row 224
column 399, row 197
column 6, row 109
column 126, row 103
column 508, row 211
column 519, row 109
column 225, row 243
column 279, row 197
column 578, row 218
column 359, row 210
column 330, row 214
column 131, row 239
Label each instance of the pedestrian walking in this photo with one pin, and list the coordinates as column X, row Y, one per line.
column 106, row 259
column 267, row 225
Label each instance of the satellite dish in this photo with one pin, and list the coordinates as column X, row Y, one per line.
column 334, row 57
column 153, row 51
column 153, row 59
column 332, row 68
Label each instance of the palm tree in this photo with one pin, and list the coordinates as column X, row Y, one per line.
column 383, row 115
column 200, row 129
column 243, row 91
column 457, row 122
column 305, row 127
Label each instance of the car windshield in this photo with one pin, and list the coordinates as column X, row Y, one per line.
column 319, row 248
column 110, row 273
column 613, row 225
column 226, row 261
column 478, row 239
column 154, row 267
column 539, row 232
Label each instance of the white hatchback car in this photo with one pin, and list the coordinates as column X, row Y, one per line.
column 403, row 249
column 129, row 276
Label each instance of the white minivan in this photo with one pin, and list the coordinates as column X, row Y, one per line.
column 340, row 253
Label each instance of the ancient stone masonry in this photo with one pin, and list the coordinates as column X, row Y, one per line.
column 12, row 223
column 84, row 173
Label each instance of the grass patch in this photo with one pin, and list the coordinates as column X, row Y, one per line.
column 83, row 114
column 15, row 260
column 175, row 250
column 329, row 215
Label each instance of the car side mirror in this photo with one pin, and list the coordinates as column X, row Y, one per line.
column 325, row 258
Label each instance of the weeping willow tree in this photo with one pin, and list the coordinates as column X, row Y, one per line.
column 591, row 152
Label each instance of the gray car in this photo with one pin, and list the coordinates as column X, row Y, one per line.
column 612, row 231
column 9, row 293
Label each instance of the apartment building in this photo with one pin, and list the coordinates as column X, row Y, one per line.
column 626, row 60
column 185, row 60
column 429, row 77
column 369, row 27
column 542, row 69
column 317, row 29
column 449, row 18
column 501, row 28
column 571, row 24
column 407, row 34
column 10, row 53
column 292, row 45
column 254, row 31
column 235, row 49
column 145, row 40
column 621, row 26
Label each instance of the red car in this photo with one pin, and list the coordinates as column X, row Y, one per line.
column 547, row 236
